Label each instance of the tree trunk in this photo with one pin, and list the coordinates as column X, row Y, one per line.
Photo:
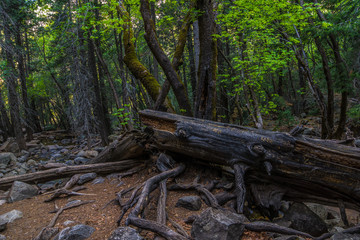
column 205, row 104
column 313, row 170
column 21, row 67
column 176, row 61
column 97, row 104
column 11, row 85
column 132, row 62
column 164, row 61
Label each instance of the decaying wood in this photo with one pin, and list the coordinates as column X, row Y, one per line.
column 134, row 217
column 314, row 170
column 68, row 171
column 130, row 145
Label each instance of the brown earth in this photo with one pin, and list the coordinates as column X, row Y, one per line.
column 100, row 214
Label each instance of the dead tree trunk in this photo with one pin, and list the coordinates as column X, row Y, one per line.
column 306, row 169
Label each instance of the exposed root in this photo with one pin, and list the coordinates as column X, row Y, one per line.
column 240, row 189
column 160, row 229
column 134, row 217
column 210, row 198
column 352, row 230
column 62, row 191
column 261, row 226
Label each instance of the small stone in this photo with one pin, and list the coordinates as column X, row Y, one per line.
column 125, row 233
column 56, row 156
column 81, row 160
column 98, row 180
column 2, row 237
column 218, row 224
column 78, row 232
column 2, row 202
column 192, row 203
column 11, row 216
column 7, row 157
column 88, row 154
column 69, row 162
column 86, row 178
column 66, row 141
column 357, row 143
column 305, row 220
column 31, row 162
column 345, row 236
column 68, row 222
column 3, row 225
column 20, row 190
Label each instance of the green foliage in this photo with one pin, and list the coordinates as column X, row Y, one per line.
column 123, row 115
column 354, row 113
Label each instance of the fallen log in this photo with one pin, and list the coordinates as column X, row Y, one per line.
column 130, row 145
column 312, row 170
column 69, row 171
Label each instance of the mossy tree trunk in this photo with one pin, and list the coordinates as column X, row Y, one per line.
column 163, row 60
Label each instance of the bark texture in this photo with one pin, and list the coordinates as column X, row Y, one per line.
column 307, row 169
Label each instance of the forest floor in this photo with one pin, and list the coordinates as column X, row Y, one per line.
column 103, row 213
column 100, row 214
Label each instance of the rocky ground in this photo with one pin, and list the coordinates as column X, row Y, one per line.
column 92, row 212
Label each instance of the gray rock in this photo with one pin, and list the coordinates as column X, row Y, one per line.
column 345, row 236
column 11, row 216
column 69, row 162
column 357, row 143
column 3, row 224
column 20, row 190
column 305, row 220
column 2, row 237
column 31, row 163
column 81, row 160
column 125, row 233
column 1, row 175
column 66, row 141
column 287, row 237
column 98, row 180
column 86, row 178
column 78, row 232
column 56, row 156
column 218, row 224
column 68, row 222
column 48, row 233
column 6, row 158
column 189, row 202
column 87, row 154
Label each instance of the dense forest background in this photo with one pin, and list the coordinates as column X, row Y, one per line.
column 90, row 65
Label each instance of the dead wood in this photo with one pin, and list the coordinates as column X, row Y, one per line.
column 130, row 145
column 261, row 226
column 62, row 172
column 134, row 217
column 315, row 170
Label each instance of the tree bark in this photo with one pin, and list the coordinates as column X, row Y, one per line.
column 308, row 169
column 205, row 104
column 132, row 62
column 176, row 62
column 164, row 61
column 11, row 85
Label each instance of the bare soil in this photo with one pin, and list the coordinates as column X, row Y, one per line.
column 100, row 214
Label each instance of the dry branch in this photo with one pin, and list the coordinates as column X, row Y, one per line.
column 68, row 171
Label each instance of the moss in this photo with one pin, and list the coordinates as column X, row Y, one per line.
column 135, row 66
